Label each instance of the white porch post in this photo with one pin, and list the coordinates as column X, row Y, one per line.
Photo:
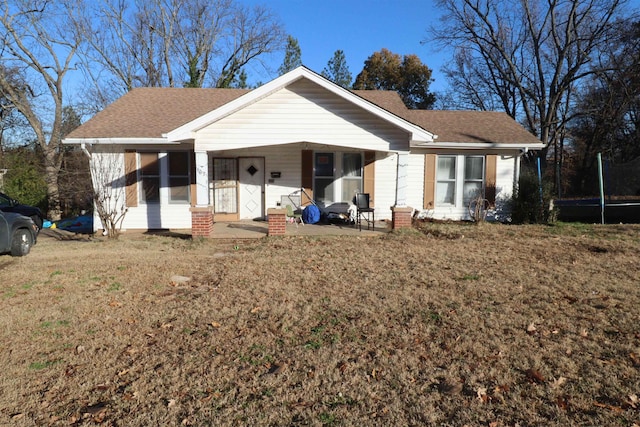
column 202, row 179
column 401, row 213
column 402, row 178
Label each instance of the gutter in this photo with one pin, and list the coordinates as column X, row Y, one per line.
column 480, row 146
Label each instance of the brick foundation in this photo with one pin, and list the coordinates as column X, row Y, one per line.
column 201, row 222
column 401, row 217
column 277, row 221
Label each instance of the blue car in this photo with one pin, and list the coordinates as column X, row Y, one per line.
column 78, row 224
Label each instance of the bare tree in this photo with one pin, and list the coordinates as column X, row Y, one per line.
column 10, row 119
column 39, row 42
column 172, row 43
column 108, row 177
column 526, row 56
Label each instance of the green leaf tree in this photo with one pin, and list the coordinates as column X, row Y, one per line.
column 385, row 70
column 292, row 56
column 337, row 70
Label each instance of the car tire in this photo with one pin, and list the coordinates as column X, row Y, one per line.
column 37, row 221
column 21, row 243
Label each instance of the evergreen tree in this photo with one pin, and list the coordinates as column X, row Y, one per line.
column 337, row 70
column 292, row 56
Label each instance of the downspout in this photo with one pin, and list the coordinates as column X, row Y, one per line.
column 83, row 147
column 516, row 177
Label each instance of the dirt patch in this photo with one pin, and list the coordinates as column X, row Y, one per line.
column 450, row 325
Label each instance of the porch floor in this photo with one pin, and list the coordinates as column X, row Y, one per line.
column 257, row 229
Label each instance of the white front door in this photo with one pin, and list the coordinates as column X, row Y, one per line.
column 251, row 175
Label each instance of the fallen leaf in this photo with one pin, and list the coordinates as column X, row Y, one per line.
column 171, row 403
column 607, row 406
column 562, row 402
column 501, row 388
column 558, row 382
column 531, row 329
column 633, row 401
column 374, row 374
column 215, row 324
column 535, row 376
column 584, row 333
column 97, row 412
column 255, row 310
column 482, row 394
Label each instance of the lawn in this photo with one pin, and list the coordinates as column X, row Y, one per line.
column 449, row 325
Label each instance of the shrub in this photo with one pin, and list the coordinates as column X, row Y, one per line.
column 527, row 206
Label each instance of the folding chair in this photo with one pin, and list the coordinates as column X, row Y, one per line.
column 293, row 215
column 364, row 211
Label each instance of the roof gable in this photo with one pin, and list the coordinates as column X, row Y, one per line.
column 187, row 130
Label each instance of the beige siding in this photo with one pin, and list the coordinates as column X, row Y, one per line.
column 302, row 112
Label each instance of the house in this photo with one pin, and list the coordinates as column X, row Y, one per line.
column 193, row 156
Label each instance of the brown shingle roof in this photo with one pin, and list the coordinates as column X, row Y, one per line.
column 472, row 126
column 150, row 112
column 455, row 125
column 387, row 99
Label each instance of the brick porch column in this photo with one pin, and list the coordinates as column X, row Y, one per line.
column 201, row 221
column 277, row 221
column 400, row 217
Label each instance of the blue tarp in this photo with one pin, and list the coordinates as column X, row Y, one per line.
column 311, row 214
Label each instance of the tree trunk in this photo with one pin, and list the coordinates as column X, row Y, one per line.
column 51, row 171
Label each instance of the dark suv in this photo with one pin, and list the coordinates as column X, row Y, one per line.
column 7, row 204
column 17, row 234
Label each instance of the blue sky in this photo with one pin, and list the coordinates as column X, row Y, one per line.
column 359, row 28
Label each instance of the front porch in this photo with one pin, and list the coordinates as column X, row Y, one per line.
column 250, row 229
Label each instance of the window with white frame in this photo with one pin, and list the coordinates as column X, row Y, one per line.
column 459, row 179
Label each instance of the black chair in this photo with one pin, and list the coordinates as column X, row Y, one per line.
column 364, row 211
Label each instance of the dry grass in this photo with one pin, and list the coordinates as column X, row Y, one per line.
column 455, row 325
